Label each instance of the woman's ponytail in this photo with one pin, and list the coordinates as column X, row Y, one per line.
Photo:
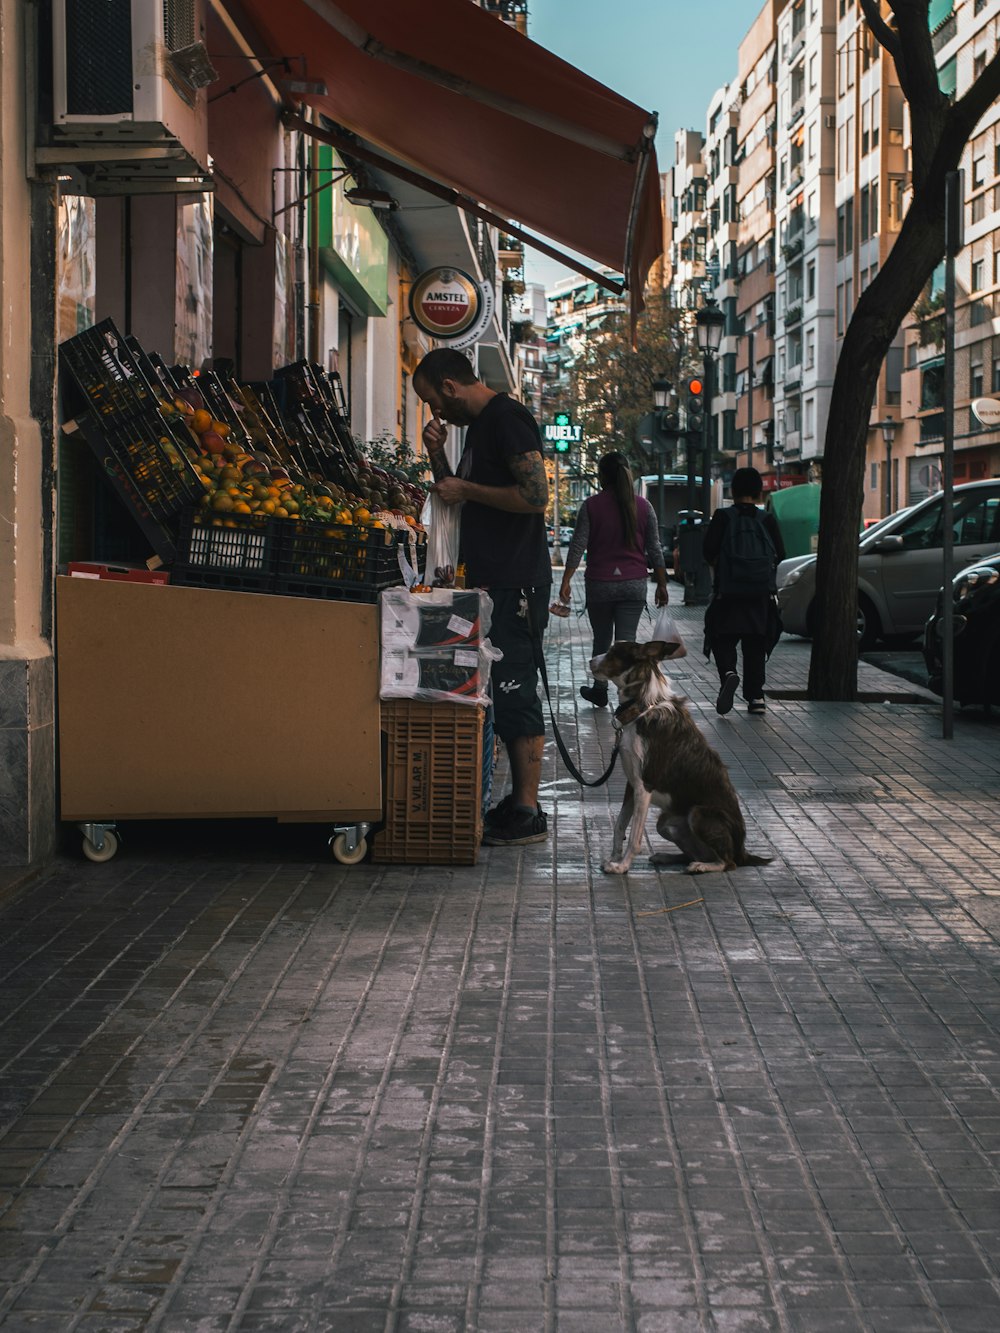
column 615, row 474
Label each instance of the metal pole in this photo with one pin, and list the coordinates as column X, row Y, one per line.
column 706, row 438
column 750, row 398
column 953, row 200
column 557, row 555
column 888, row 473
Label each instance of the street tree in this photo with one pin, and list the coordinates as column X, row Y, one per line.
column 613, row 379
column 940, row 130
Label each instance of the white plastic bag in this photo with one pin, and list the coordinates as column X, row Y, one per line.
column 442, row 524
column 666, row 630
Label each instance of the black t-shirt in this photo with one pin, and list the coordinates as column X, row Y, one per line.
column 501, row 549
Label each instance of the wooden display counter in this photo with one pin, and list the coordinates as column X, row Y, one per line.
column 178, row 702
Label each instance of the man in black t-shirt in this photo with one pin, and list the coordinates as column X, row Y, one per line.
column 502, row 486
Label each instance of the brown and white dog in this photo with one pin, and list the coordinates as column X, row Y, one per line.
column 669, row 764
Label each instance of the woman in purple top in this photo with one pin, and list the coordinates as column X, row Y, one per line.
column 619, row 533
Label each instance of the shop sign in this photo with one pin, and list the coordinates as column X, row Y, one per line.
column 987, row 411
column 447, row 304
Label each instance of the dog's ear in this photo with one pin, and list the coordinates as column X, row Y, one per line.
column 658, row 650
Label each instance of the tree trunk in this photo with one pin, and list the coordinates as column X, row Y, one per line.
column 833, row 668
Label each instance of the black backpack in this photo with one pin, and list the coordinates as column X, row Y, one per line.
column 747, row 557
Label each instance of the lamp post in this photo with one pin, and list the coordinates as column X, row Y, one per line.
column 662, row 389
column 710, row 322
column 888, row 426
column 778, row 454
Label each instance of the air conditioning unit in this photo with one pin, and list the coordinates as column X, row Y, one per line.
column 128, row 80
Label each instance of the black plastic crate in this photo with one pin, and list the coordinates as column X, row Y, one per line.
column 107, row 373
column 152, row 484
column 226, row 550
column 339, row 562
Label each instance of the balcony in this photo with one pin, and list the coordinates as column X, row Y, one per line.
column 793, row 315
column 798, row 111
column 792, row 248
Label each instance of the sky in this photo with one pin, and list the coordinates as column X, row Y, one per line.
column 667, row 56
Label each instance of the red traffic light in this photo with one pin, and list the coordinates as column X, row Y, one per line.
column 695, row 386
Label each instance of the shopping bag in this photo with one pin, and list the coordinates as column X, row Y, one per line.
column 442, row 523
column 666, row 630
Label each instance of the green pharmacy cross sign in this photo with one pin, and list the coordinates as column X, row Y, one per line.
column 561, row 433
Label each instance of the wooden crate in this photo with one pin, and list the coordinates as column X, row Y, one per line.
column 433, row 783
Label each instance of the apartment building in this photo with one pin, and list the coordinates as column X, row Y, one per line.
column 722, row 208
column 965, row 36
column 805, row 231
column 870, row 175
column 749, row 357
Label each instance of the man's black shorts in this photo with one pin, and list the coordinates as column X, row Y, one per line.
column 517, row 709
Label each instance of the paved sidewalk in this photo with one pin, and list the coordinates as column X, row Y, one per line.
column 246, row 1088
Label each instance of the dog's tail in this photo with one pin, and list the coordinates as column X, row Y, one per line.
column 749, row 859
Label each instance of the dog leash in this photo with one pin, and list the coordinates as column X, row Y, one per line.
column 536, row 646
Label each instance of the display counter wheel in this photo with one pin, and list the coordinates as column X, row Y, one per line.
column 100, row 842
column 349, row 844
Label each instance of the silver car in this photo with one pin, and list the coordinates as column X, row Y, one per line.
column 900, row 565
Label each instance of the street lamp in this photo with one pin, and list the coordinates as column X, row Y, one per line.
column 710, row 322
column 888, row 426
column 662, row 389
column 661, row 394
column 778, row 454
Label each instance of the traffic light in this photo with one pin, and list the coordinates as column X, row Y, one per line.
column 695, row 405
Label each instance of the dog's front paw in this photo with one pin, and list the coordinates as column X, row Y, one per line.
column 615, row 867
column 705, row 867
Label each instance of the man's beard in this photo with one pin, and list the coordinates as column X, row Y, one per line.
column 456, row 414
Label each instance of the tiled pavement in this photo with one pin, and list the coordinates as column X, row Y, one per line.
column 246, row 1088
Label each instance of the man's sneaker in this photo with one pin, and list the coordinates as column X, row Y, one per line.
column 519, row 826
column 595, row 694
column 727, row 693
column 756, row 706
column 501, row 812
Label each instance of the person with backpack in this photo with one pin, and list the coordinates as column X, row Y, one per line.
column 743, row 546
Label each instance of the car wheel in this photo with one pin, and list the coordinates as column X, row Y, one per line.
column 868, row 624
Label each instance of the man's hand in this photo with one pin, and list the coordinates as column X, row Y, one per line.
column 435, row 433
column 452, row 490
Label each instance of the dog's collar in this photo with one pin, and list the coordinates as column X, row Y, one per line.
column 623, row 716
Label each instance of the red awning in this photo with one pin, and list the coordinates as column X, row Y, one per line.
column 452, row 92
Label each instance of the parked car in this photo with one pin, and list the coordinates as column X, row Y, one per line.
column 975, row 594
column 795, row 561
column 899, row 565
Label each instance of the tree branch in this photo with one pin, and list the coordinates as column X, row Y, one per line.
column 973, row 105
column 883, row 34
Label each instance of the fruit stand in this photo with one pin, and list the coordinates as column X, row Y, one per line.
column 242, row 677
